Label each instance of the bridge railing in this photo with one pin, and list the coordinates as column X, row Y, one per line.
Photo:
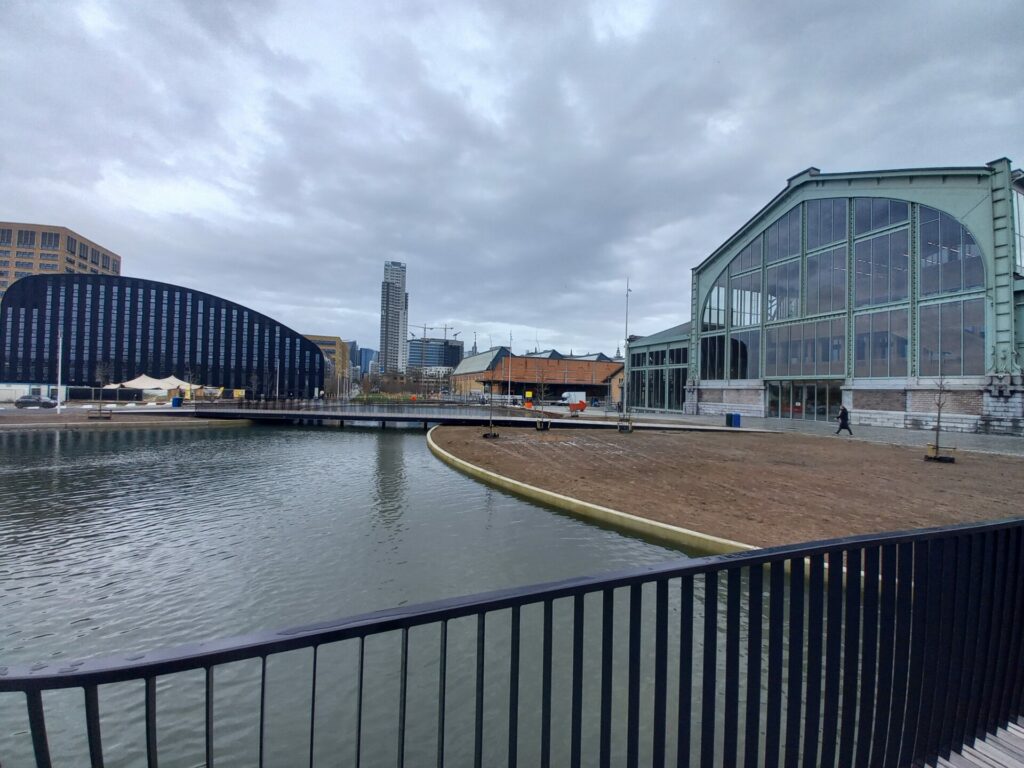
column 885, row 650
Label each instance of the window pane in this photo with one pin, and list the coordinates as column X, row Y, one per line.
column 898, row 211
column 974, row 337
column 899, row 260
column 862, row 215
column 814, row 238
column 880, row 344
column 825, row 232
column 928, row 353
column 794, row 231
column 879, row 213
column 862, row 348
column 837, row 360
column 839, row 279
column 823, row 346
column 796, row 341
column 898, row 341
column 772, row 293
column 862, row 266
column 783, row 362
column 770, row 351
column 810, row 343
column 754, row 354
column 950, row 337
column 952, row 269
column 773, row 399
column 974, row 267
column 929, row 257
column 793, row 289
column 813, row 266
column 880, row 270
column 839, row 219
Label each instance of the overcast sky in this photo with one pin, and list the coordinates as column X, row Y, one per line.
column 523, row 158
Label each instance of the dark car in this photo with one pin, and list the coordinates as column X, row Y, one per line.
column 34, row 401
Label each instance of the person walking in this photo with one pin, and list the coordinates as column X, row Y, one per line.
column 844, row 420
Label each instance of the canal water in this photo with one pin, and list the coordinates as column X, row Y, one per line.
column 120, row 541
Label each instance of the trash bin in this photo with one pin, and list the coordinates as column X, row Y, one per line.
column 735, row 420
column 175, row 402
column 728, row 419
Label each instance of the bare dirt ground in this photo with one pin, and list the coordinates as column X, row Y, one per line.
column 761, row 489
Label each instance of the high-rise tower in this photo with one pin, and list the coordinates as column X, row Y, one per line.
column 394, row 318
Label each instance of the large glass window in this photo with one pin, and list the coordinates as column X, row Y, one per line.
column 880, row 266
column 952, row 338
column 782, row 239
column 748, row 258
column 712, row 357
column 826, row 281
column 745, row 355
column 782, row 291
column 745, row 300
column 871, row 213
column 713, row 318
column 880, row 348
column 826, row 222
column 676, row 388
column 950, row 258
column 656, row 388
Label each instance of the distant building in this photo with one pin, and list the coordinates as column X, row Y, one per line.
column 500, row 372
column 885, row 291
column 42, row 249
column 434, row 353
column 394, row 319
column 368, row 360
column 116, row 328
column 336, row 373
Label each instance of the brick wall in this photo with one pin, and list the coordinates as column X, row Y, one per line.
column 969, row 402
column 879, row 400
column 710, row 396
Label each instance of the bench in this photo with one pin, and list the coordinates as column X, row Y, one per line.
column 101, row 413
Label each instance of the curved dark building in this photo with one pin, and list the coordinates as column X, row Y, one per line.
column 116, row 328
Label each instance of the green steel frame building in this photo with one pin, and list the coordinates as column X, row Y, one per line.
column 885, row 291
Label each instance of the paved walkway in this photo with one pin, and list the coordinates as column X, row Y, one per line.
column 1009, row 445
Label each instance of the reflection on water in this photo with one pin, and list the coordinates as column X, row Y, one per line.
column 116, row 541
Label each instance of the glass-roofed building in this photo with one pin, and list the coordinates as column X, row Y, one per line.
column 876, row 290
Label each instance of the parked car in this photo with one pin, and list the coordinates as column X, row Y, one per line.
column 34, row 401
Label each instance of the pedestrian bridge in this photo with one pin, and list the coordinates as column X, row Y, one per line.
column 427, row 415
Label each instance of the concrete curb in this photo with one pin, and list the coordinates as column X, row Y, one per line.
column 680, row 538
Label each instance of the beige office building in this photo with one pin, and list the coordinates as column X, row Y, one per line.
column 41, row 249
column 336, row 375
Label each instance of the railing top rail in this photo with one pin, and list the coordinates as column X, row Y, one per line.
column 100, row 671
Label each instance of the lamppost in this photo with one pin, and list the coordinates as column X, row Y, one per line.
column 625, row 365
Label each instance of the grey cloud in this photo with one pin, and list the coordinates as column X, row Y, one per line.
column 519, row 163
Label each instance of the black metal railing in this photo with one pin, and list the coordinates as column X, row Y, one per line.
column 888, row 650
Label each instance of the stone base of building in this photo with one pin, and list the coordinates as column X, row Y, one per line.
column 994, row 405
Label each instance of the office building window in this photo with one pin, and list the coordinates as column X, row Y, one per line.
column 71, row 245
column 26, row 238
column 94, row 256
column 5, row 236
column 50, row 240
column 83, row 251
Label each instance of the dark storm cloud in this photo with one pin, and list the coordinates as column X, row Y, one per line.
column 523, row 159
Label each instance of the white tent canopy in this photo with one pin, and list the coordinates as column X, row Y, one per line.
column 148, row 382
column 144, row 382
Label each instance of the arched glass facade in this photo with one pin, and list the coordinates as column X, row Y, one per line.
column 116, row 328
column 905, row 282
